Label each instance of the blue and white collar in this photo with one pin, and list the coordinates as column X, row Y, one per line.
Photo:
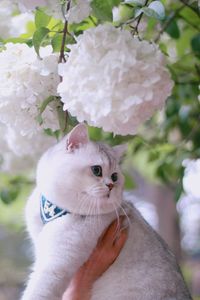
column 49, row 211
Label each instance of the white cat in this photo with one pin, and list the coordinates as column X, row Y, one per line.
column 78, row 193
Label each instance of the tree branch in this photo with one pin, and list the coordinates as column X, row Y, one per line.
column 65, row 32
column 190, row 23
column 188, row 5
column 62, row 50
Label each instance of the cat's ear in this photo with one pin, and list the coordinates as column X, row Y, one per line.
column 77, row 137
column 120, row 150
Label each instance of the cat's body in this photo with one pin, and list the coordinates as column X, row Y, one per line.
column 144, row 270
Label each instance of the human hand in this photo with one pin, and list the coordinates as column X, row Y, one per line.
column 108, row 248
column 106, row 251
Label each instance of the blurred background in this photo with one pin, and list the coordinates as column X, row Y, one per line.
column 162, row 165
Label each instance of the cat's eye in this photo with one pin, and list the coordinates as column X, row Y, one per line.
column 114, row 177
column 97, row 171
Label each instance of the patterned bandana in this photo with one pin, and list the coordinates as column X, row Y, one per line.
column 49, row 211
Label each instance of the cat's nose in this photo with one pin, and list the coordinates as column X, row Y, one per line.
column 110, row 186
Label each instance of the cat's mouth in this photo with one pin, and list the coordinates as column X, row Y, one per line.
column 108, row 194
column 100, row 193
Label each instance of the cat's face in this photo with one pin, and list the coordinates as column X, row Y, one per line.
column 81, row 176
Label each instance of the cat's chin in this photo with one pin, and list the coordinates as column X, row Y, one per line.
column 91, row 207
column 100, row 211
column 91, row 210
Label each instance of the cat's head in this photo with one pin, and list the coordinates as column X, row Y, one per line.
column 82, row 176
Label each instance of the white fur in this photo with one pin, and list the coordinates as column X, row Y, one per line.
column 144, row 270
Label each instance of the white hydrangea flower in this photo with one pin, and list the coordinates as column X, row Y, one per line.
column 25, row 83
column 189, row 211
column 12, row 26
column 80, row 9
column 33, row 145
column 191, row 179
column 28, row 5
column 6, row 10
column 113, row 81
column 9, row 162
column 18, row 153
column 54, row 8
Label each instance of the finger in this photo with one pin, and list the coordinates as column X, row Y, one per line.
column 113, row 230
column 104, row 233
column 121, row 240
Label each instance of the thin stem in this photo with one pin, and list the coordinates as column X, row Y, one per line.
column 62, row 54
column 92, row 20
column 135, row 30
column 65, row 32
column 172, row 16
column 62, row 50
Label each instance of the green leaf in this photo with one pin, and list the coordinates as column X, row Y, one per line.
column 154, row 10
column 102, row 9
column 129, row 182
column 46, row 102
column 114, row 2
column 41, row 19
column 195, row 43
column 42, row 108
column 95, row 133
column 62, row 117
column 153, row 155
column 38, row 38
column 18, row 40
column 190, row 16
column 39, row 120
column 56, row 42
column 135, row 2
column 163, row 48
column 179, row 190
column 173, row 30
column 158, row 8
column 56, row 134
column 8, row 195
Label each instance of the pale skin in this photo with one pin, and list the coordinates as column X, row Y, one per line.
column 103, row 256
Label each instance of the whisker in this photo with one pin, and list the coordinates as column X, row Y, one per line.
column 127, row 217
column 82, row 201
column 99, row 212
column 117, row 214
column 128, row 204
column 115, row 208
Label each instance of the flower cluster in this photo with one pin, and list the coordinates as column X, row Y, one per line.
column 113, row 81
column 12, row 163
column 191, row 178
column 79, row 9
column 188, row 208
column 6, row 10
column 25, row 82
column 12, row 26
